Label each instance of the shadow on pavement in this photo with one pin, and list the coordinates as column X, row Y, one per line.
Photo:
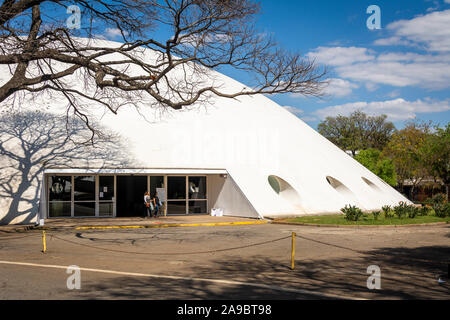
column 406, row 273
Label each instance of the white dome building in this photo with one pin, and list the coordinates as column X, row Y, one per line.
column 249, row 157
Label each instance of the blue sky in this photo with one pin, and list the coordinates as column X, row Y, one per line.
column 402, row 69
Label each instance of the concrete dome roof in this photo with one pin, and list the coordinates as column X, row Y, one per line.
column 280, row 164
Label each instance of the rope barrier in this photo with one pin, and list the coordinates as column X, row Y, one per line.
column 170, row 253
column 373, row 254
column 233, row 248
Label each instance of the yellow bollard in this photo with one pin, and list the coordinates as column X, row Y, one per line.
column 44, row 245
column 293, row 251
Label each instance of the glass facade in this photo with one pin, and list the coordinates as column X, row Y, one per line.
column 197, row 188
column 60, row 188
column 59, row 209
column 106, row 188
column 106, row 196
column 95, row 195
column 60, row 196
column 197, row 207
column 155, row 183
column 176, row 207
column 106, row 209
column 176, row 188
column 84, row 209
column 84, row 188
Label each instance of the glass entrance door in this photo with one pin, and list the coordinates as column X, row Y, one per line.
column 84, row 196
column 176, row 195
column 186, row 195
column 106, row 197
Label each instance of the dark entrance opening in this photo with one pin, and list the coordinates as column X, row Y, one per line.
column 130, row 196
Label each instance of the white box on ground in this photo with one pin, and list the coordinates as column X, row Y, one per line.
column 216, row 212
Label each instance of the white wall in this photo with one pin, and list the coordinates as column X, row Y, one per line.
column 225, row 194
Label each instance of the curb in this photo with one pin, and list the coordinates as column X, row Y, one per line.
column 360, row 226
column 158, row 225
column 17, row 228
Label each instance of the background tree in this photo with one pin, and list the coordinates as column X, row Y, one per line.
column 44, row 55
column 437, row 155
column 357, row 131
column 407, row 151
column 383, row 167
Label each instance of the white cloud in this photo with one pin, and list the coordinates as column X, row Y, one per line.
column 370, row 86
column 431, row 31
column 298, row 112
column 338, row 56
column 293, row 110
column 431, row 71
column 393, row 94
column 431, row 74
column 114, row 32
column 339, row 87
column 397, row 109
column 393, row 41
column 309, row 119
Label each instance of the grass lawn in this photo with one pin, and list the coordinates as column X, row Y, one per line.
column 366, row 220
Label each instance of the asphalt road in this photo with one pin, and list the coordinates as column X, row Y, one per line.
column 195, row 263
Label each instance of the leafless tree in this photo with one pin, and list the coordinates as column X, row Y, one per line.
column 44, row 54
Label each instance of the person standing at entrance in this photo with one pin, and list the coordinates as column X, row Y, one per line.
column 148, row 205
column 157, row 203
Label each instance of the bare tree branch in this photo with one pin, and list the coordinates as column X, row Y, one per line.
column 44, row 55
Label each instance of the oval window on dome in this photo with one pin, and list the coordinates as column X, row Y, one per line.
column 284, row 190
column 341, row 188
column 371, row 184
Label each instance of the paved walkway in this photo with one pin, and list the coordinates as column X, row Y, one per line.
column 63, row 223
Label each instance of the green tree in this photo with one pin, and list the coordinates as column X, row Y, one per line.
column 407, row 151
column 383, row 167
column 437, row 155
column 358, row 131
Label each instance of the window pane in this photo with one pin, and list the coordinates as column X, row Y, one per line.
column 59, row 209
column 106, row 187
column 197, row 188
column 60, row 188
column 156, row 182
column 176, row 207
column 176, row 188
column 84, row 189
column 105, row 209
column 84, row 209
column 197, row 206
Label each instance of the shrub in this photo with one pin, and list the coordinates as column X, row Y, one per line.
column 442, row 210
column 438, row 198
column 387, row 212
column 401, row 210
column 404, row 210
column 412, row 212
column 352, row 213
column 376, row 214
column 424, row 211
